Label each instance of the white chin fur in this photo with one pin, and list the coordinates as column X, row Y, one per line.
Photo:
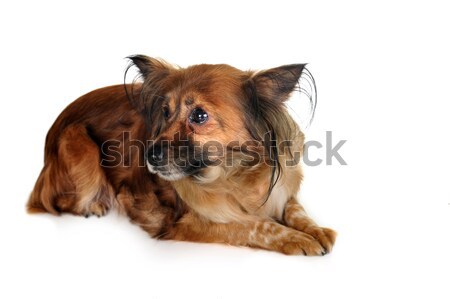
column 170, row 175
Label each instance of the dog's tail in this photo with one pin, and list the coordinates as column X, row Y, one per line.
column 42, row 197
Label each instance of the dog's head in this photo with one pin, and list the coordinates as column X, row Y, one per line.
column 206, row 115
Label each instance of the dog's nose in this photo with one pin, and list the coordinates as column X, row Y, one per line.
column 155, row 155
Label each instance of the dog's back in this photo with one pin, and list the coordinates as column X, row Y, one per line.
column 71, row 161
column 73, row 179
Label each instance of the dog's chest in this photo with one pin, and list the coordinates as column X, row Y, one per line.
column 274, row 206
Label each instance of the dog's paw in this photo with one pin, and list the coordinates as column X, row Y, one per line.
column 96, row 208
column 299, row 243
column 325, row 236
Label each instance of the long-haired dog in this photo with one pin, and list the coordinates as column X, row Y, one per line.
column 207, row 153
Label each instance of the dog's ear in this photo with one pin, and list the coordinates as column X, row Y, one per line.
column 149, row 97
column 266, row 91
column 149, row 67
column 277, row 83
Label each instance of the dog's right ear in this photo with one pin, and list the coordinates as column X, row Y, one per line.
column 151, row 68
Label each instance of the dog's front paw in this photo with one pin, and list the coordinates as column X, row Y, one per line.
column 325, row 236
column 276, row 237
column 299, row 243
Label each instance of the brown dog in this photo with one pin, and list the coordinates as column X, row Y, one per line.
column 206, row 153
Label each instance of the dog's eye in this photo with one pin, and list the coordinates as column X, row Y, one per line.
column 166, row 112
column 198, row 116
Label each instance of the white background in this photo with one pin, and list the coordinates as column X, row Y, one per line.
column 382, row 72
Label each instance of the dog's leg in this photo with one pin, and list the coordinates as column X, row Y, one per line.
column 261, row 234
column 296, row 217
column 90, row 193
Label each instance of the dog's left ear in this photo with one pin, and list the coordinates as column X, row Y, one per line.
column 151, row 68
column 277, row 83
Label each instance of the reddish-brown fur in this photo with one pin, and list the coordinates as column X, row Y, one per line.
column 226, row 205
